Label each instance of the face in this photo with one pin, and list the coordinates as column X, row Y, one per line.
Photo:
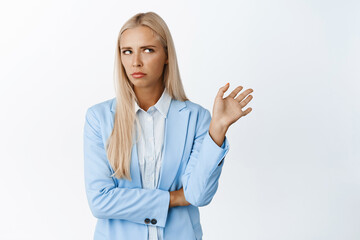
column 141, row 51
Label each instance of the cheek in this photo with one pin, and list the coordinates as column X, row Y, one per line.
column 125, row 64
column 157, row 64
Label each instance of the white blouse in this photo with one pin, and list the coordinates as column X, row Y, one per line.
column 150, row 147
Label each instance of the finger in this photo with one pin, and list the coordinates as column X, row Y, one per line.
column 243, row 94
column 246, row 101
column 235, row 91
column 222, row 90
column 247, row 111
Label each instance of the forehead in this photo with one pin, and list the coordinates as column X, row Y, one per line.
column 138, row 36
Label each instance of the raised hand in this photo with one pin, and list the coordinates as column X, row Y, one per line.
column 228, row 110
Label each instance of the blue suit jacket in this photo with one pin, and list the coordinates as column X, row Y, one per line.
column 191, row 159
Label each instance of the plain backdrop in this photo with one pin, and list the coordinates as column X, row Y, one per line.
column 292, row 171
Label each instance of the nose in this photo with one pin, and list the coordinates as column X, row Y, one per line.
column 137, row 60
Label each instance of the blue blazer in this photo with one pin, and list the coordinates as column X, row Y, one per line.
column 191, row 159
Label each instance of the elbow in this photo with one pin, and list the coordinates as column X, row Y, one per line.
column 98, row 207
column 202, row 202
column 199, row 203
column 196, row 199
column 200, row 198
column 97, row 211
column 198, row 195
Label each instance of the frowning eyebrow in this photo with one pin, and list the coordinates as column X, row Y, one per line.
column 140, row 47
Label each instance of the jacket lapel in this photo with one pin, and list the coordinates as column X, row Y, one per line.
column 174, row 142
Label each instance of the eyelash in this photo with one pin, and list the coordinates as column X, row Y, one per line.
column 130, row 50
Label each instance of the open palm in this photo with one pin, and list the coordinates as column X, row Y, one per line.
column 229, row 109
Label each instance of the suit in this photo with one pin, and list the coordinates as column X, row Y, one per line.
column 192, row 160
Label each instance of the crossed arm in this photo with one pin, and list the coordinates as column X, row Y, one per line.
column 110, row 202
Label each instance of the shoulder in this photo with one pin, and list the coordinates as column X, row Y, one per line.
column 101, row 108
column 194, row 106
column 197, row 108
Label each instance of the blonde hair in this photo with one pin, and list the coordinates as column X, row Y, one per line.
column 119, row 144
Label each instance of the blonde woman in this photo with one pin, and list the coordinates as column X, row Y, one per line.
column 151, row 156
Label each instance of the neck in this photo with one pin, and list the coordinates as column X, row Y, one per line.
column 148, row 97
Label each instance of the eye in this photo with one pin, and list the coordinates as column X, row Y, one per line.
column 149, row 49
column 125, row 51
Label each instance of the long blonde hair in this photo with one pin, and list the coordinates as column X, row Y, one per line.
column 119, row 144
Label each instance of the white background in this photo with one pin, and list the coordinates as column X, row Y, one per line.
column 292, row 171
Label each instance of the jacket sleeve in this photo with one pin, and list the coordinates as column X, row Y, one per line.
column 200, row 180
column 105, row 199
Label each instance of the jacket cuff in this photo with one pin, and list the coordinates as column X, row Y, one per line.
column 165, row 202
column 211, row 154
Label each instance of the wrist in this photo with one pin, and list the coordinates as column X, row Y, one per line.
column 217, row 132
column 218, row 127
column 173, row 199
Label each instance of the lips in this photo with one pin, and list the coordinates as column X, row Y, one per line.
column 138, row 74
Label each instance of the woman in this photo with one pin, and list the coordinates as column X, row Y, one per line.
column 147, row 180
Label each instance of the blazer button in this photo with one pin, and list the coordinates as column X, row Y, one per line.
column 153, row 221
column 147, row 220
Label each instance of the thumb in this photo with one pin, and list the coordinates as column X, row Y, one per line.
column 222, row 90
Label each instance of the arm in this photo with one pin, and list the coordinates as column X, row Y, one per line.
column 104, row 198
column 200, row 180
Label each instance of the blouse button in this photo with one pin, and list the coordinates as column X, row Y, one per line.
column 147, row 220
